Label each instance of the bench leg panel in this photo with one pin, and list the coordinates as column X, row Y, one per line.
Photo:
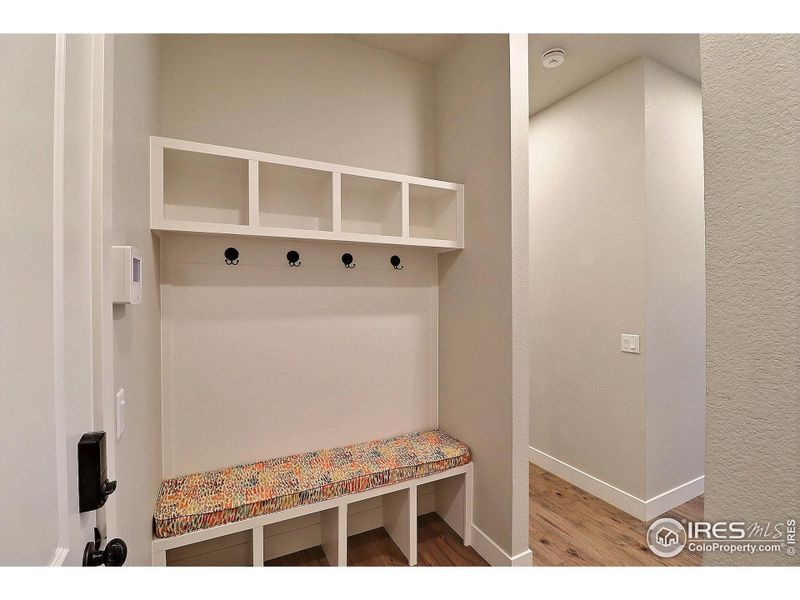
column 258, row 546
column 454, row 504
column 400, row 521
column 159, row 558
column 333, row 524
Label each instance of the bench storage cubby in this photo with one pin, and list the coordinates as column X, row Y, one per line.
column 203, row 506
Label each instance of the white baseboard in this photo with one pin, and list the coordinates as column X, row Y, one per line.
column 658, row 505
column 58, row 557
column 644, row 510
column 495, row 555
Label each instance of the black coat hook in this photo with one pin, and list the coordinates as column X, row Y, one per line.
column 231, row 256
column 347, row 259
column 395, row 262
column 293, row 256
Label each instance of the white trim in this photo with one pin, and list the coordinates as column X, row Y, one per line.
column 597, row 487
column 495, row 555
column 102, row 267
column 58, row 557
column 59, row 373
column 644, row 510
column 658, row 505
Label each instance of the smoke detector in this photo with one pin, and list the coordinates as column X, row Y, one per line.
column 553, row 58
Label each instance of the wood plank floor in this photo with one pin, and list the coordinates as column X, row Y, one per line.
column 568, row 527
column 571, row 527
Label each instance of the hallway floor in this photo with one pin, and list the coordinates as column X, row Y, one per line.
column 568, row 527
column 571, row 527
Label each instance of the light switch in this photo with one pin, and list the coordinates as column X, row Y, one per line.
column 630, row 343
column 120, row 421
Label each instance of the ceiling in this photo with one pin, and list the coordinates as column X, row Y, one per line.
column 591, row 56
column 426, row 48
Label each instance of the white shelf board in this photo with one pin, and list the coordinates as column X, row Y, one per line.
column 168, row 227
column 254, row 228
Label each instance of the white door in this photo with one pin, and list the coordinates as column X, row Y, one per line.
column 47, row 83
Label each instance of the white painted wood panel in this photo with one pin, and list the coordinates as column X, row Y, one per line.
column 205, row 188
column 293, row 535
column 233, row 543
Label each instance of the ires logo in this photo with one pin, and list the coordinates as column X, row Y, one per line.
column 668, row 537
column 735, row 530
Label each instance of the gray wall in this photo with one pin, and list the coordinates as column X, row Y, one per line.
column 137, row 328
column 482, row 360
column 617, row 247
column 751, row 122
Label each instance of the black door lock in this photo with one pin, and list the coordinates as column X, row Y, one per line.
column 94, row 488
column 113, row 556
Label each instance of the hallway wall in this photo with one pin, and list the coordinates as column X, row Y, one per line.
column 617, row 247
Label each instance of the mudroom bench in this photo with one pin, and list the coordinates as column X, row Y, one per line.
column 202, row 506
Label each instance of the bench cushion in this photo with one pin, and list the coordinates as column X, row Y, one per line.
column 203, row 500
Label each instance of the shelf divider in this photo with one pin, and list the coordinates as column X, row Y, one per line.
column 336, row 197
column 253, row 195
column 406, row 212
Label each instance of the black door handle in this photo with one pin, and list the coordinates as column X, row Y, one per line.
column 114, row 555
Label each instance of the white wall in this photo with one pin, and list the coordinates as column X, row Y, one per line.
column 137, row 328
column 320, row 97
column 482, row 360
column 617, row 247
column 751, row 123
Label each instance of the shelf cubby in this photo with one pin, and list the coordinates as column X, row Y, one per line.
column 371, row 205
column 205, row 188
column 433, row 212
column 295, row 197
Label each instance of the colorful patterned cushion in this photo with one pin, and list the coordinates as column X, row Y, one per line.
column 203, row 500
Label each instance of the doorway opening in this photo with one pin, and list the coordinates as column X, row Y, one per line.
column 618, row 292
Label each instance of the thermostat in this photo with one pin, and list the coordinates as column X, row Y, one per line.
column 127, row 275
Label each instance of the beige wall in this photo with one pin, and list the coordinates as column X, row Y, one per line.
column 318, row 97
column 262, row 360
column 588, row 275
column 751, row 122
column 482, row 361
column 675, row 304
column 321, row 97
column 617, row 247
column 137, row 328
column 30, row 532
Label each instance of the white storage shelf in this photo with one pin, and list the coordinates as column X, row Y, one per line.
column 203, row 188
